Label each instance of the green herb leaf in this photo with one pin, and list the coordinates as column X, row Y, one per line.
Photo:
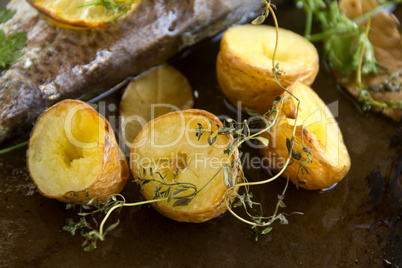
column 266, row 230
column 117, row 9
column 111, row 227
column 6, row 14
column 283, row 219
column 252, row 112
column 343, row 39
column 263, row 140
column 10, row 48
column 276, row 101
column 228, row 175
column 92, row 246
column 182, row 202
column 259, row 20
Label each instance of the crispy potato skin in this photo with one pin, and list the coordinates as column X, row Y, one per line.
column 114, row 170
column 322, row 175
column 243, row 80
column 208, row 209
column 325, row 171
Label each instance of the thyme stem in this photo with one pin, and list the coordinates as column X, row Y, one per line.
column 382, row 8
column 12, row 148
column 125, row 205
column 361, row 56
column 247, row 184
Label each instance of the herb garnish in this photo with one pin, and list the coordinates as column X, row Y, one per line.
column 165, row 191
column 116, row 9
column 6, row 14
column 343, row 39
column 346, row 45
column 92, row 208
column 364, row 96
column 12, row 44
column 10, row 48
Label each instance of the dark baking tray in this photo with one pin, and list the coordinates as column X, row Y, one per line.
column 355, row 224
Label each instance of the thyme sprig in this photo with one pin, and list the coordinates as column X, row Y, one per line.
column 92, row 208
column 261, row 224
column 116, row 9
column 241, row 131
column 169, row 191
column 242, row 134
column 297, row 155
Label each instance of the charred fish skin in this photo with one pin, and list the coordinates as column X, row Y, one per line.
column 63, row 63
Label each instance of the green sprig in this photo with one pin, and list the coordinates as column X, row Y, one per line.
column 12, row 148
column 165, row 191
column 6, row 14
column 341, row 34
column 117, row 9
column 12, row 44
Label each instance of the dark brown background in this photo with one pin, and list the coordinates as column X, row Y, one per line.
column 356, row 224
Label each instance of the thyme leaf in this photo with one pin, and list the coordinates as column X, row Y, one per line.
column 115, row 9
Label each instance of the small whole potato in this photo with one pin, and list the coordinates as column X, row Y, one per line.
column 73, row 153
column 168, row 145
column 244, row 64
column 317, row 131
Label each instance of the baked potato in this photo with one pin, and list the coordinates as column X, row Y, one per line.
column 161, row 90
column 73, row 154
column 169, row 144
column 317, row 131
column 244, row 64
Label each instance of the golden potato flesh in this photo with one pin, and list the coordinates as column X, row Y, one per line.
column 159, row 91
column 244, row 64
column 72, row 149
column 318, row 131
column 168, row 144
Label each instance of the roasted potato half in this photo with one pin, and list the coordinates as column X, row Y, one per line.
column 169, row 144
column 161, row 90
column 244, row 64
column 317, row 131
column 73, row 152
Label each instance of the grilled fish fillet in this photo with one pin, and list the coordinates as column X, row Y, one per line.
column 62, row 63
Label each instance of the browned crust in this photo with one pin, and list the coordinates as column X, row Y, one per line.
column 322, row 173
column 255, row 87
column 114, row 173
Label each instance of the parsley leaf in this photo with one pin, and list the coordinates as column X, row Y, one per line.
column 343, row 39
column 6, row 14
column 10, row 47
